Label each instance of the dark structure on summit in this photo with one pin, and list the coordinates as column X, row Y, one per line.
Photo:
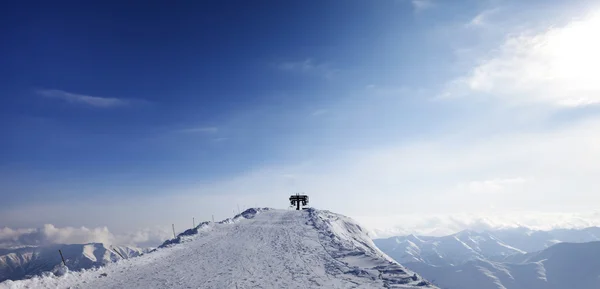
column 297, row 199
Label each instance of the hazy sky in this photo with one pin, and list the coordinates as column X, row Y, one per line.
column 411, row 116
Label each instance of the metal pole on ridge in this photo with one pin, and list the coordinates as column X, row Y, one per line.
column 63, row 258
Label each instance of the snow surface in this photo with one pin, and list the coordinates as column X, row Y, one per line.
column 260, row 248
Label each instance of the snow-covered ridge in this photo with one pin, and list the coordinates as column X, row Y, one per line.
column 498, row 259
column 29, row 261
column 19, row 263
column 259, row 248
column 565, row 265
column 449, row 250
column 189, row 234
column 496, row 245
column 349, row 243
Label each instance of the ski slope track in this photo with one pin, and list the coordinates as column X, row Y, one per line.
column 260, row 248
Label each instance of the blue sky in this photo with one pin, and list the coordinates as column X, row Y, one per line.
column 191, row 109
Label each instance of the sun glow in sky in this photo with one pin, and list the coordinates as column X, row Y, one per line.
column 564, row 60
column 574, row 57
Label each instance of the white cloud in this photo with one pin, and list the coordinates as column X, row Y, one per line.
column 147, row 237
column 482, row 18
column 319, row 112
column 220, row 139
column 205, row 129
column 96, row 101
column 309, row 66
column 50, row 234
column 378, row 90
column 10, row 237
column 494, row 185
column 558, row 66
column 420, row 5
column 442, row 225
column 304, row 65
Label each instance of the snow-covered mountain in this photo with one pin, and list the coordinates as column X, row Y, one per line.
column 565, row 265
column 20, row 263
column 260, row 248
column 449, row 250
column 469, row 245
column 499, row 259
column 534, row 240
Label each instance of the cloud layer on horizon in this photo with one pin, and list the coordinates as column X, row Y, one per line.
column 49, row 234
column 379, row 227
column 443, row 225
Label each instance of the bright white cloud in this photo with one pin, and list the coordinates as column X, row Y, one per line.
column 559, row 66
column 494, row 186
column 147, row 237
column 96, row 101
column 50, row 234
column 442, row 225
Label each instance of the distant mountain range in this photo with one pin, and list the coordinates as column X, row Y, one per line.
column 20, row 263
column 517, row 258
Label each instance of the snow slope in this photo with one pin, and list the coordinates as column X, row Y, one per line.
column 259, row 248
column 16, row 264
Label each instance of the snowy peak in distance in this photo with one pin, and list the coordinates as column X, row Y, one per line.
column 565, row 265
column 535, row 240
column 449, row 250
column 265, row 248
column 517, row 258
column 468, row 245
column 20, row 263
